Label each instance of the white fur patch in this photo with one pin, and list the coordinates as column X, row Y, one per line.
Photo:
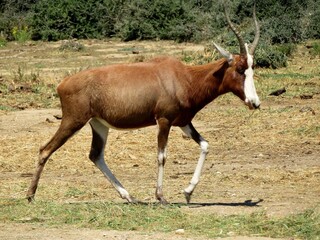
column 162, row 155
column 249, row 88
column 197, row 173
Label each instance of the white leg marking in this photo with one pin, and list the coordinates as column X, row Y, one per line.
column 161, row 158
column 163, row 133
column 249, row 88
column 103, row 131
column 204, row 151
column 197, row 173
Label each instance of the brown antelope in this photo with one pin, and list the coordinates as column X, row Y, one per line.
column 162, row 92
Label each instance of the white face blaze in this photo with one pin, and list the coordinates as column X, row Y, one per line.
column 252, row 99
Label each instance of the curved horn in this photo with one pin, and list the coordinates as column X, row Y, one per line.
column 224, row 53
column 236, row 32
column 257, row 35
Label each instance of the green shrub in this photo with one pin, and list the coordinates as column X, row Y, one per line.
column 283, row 23
column 21, row 34
column 3, row 41
column 146, row 19
column 313, row 28
column 13, row 14
column 289, row 21
column 287, row 48
column 60, row 19
column 283, row 29
column 315, row 49
column 269, row 56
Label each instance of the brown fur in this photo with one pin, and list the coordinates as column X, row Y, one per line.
column 135, row 95
column 162, row 91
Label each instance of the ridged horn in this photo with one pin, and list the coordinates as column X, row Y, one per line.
column 224, row 53
column 257, row 34
column 236, row 32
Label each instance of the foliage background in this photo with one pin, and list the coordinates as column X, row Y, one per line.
column 285, row 22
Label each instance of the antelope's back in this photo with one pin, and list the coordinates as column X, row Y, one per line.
column 128, row 95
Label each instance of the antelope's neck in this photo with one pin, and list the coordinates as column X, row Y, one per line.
column 206, row 80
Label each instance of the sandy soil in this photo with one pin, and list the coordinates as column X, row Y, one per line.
column 28, row 232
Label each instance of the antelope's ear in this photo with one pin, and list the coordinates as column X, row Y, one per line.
column 224, row 53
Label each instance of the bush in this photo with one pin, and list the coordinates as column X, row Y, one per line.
column 146, row 19
column 272, row 56
column 21, row 34
column 315, row 49
column 313, row 27
column 282, row 22
column 3, row 41
column 13, row 17
column 182, row 20
column 283, row 29
column 60, row 19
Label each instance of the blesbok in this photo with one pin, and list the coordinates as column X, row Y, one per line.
column 163, row 92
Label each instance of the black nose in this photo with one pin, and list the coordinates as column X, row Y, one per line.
column 256, row 106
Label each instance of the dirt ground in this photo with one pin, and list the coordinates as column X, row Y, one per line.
column 267, row 160
column 27, row 232
column 233, row 182
column 238, row 174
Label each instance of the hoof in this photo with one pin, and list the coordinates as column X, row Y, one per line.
column 187, row 196
column 132, row 200
column 160, row 197
column 163, row 201
column 30, row 198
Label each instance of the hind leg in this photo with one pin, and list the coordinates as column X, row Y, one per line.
column 164, row 129
column 66, row 130
column 99, row 139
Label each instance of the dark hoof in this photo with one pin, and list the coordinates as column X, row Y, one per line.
column 30, row 198
column 133, row 200
column 187, row 196
column 163, row 201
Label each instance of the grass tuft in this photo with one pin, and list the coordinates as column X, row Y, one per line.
column 71, row 45
column 315, row 49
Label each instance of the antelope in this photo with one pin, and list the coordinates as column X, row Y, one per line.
column 163, row 92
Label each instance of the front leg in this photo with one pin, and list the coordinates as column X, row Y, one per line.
column 191, row 132
column 164, row 128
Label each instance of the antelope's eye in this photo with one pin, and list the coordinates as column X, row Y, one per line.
column 240, row 70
